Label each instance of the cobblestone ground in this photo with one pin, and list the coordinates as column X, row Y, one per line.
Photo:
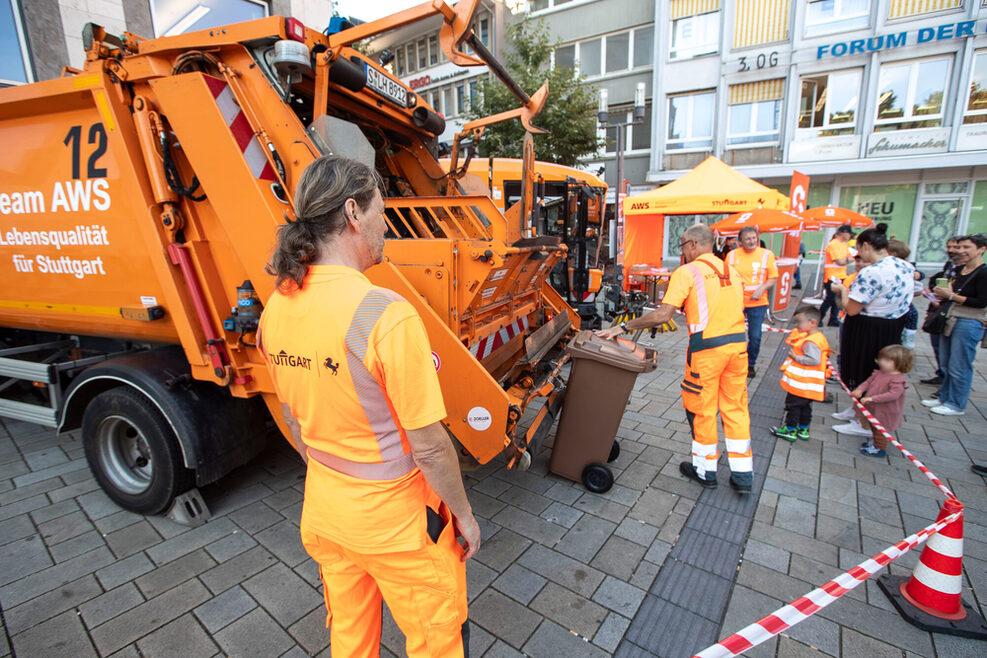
column 562, row 572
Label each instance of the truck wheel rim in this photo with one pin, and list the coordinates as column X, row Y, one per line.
column 124, row 455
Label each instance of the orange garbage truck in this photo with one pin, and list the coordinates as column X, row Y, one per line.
column 139, row 199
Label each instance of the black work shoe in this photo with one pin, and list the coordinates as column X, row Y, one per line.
column 931, row 381
column 688, row 470
column 797, row 286
column 979, row 469
column 833, row 324
column 751, row 373
column 743, row 488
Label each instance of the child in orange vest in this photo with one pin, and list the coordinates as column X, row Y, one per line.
column 884, row 395
column 803, row 374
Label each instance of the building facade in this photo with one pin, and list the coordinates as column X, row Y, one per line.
column 39, row 37
column 882, row 102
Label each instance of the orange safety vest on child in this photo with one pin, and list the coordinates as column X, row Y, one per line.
column 806, row 381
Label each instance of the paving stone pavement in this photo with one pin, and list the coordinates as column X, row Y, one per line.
column 562, row 572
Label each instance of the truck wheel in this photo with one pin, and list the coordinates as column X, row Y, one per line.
column 597, row 478
column 132, row 451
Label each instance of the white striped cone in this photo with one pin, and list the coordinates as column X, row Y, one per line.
column 936, row 582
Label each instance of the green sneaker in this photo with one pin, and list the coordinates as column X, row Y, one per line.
column 787, row 433
column 803, row 433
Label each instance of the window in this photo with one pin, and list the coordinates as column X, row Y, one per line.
column 173, row 17
column 826, row 16
column 829, row 103
column 695, row 35
column 460, row 99
column 590, row 53
column 644, row 44
column 539, row 5
column 484, row 30
column 976, row 104
column 618, row 51
column 690, row 121
column 447, row 105
column 422, row 54
column 751, row 123
column 411, row 58
column 641, row 133
column 910, row 94
column 638, row 136
column 473, row 93
column 14, row 63
column 399, row 62
column 565, row 57
column 433, row 50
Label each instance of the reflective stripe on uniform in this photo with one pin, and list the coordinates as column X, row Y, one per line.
column 368, row 390
column 702, row 305
column 804, row 372
column 388, row 470
column 803, row 386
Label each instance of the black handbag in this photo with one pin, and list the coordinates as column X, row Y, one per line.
column 935, row 321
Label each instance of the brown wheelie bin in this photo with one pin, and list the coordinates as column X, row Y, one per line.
column 600, row 382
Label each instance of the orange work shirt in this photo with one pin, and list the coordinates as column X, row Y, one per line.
column 711, row 294
column 755, row 268
column 835, row 250
column 354, row 364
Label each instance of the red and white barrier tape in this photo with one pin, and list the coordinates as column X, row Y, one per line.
column 784, row 618
column 766, row 628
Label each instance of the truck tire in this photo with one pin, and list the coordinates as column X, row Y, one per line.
column 132, row 452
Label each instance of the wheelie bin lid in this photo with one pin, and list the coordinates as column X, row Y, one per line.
column 620, row 353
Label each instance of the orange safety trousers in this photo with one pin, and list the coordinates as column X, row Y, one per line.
column 425, row 591
column 716, row 380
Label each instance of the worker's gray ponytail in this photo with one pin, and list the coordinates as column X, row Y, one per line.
column 322, row 191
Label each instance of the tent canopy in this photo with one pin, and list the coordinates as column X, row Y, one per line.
column 712, row 187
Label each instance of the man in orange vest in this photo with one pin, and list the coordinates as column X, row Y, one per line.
column 384, row 499
column 712, row 295
column 803, row 374
column 837, row 258
column 757, row 268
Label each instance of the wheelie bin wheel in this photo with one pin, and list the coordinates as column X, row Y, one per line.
column 597, row 478
column 614, row 451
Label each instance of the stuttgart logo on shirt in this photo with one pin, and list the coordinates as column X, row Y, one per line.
column 282, row 358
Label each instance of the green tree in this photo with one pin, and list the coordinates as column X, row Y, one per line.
column 569, row 114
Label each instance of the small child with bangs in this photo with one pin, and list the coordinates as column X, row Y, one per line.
column 883, row 393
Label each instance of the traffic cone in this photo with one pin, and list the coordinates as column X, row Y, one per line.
column 931, row 598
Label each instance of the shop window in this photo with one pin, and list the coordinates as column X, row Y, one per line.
column 171, row 17
column 891, row 204
column 644, row 44
column 695, row 35
column 754, row 123
column 911, row 94
column 15, row 65
column 690, row 121
column 829, row 103
column 976, row 104
column 978, row 209
column 827, row 16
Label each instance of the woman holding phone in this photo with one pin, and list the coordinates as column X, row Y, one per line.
column 965, row 290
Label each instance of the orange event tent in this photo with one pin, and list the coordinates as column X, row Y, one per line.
column 712, row 187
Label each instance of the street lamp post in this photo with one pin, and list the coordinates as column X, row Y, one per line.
column 617, row 227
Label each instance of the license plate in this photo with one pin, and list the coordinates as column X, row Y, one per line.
column 389, row 89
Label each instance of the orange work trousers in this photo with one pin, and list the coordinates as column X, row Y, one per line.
column 425, row 591
column 716, row 381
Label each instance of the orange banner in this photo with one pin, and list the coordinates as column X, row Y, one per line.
column 786, row 277
column 799, row 194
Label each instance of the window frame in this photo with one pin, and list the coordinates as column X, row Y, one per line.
column 690, row 114
column 604, row 73
column 627, row 112
column 881, row 125
column 838, row 128
column 26, row 63
column 672, row 57
column 838, row 22
column 967, row 112
column 773, row 136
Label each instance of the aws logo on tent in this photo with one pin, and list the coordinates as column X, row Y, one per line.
column 640, row 205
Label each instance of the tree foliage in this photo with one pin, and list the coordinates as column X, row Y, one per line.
column 569, row 114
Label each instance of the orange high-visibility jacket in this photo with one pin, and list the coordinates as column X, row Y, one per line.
column 806, row 381
column 710, row 293
column 755, row 268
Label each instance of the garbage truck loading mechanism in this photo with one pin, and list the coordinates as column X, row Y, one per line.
column 139, row 200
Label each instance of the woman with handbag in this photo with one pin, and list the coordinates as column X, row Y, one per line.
column 933, row 325
column 966, row 294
